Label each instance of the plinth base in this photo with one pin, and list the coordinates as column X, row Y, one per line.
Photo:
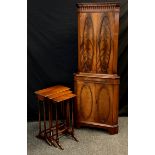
column 111, row 129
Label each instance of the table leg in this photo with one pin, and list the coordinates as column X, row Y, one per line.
column 44, row 109
column 39, row 119
column 67, row 115
column 57, row 126
column 39, row 116
column 72, row 116
column 51, row 108
column 51, row 141
column 72, row 105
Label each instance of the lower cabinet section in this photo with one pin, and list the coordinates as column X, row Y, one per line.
column 97, row 101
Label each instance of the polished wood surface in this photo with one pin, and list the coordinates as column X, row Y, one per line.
column 97, row 101
column 98, row 25
column 53, row 88
column 56, row 95
column 63, row 97
column 97, row 82
column 51, row 91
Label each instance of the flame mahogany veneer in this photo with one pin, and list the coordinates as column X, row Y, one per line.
column 97, row 82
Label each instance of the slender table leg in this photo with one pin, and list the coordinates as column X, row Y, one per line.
column 51, row 124
column 49, row 114
column 63, row 111
column 67, row 115
column 61, row 107
column 57, row 126
column 39, row 119
column 51, row 108
column 72, row 116
column 45, row 134
column 56, row 121
column 48, row 139
column 72, row 105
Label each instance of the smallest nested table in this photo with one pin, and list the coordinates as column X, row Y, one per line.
column 56, row 108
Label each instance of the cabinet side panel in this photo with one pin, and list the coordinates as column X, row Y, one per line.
column 115, row 104
column 116, row 33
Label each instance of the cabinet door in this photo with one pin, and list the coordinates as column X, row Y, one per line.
column 98, row 42
column 104, row 103
column 105, row 43
column 86, row 43
column 85, row 101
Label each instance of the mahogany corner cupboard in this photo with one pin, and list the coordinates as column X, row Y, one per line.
column 97, row 82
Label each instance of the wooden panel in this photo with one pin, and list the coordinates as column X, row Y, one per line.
column 105, row 40
column 97, row 101
column 115, row 104
column 98, row 25
column 116, row 33
column 104, row 103
column 86, row 43
column 86, row 101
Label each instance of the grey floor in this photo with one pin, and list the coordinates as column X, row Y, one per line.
column 91, row 142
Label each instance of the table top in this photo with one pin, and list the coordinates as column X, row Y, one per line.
column 64, row 97
column 51, row 90
column 57, row 93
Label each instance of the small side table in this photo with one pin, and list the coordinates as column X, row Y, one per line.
column 58, row 101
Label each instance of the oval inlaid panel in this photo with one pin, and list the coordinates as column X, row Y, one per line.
column 87, row 45
column 86, row 102
column 104, row 45
column 103, row 103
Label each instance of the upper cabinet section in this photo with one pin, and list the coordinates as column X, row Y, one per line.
column 98, row 26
